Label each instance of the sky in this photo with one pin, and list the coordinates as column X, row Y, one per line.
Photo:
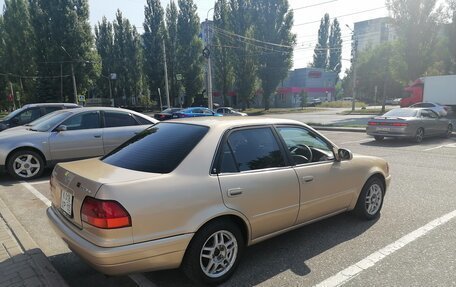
column 307, row 15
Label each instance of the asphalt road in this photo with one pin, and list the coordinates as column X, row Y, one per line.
column 422, row 190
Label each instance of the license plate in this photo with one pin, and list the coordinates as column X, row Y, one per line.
column 383, row 129
column 66, row 202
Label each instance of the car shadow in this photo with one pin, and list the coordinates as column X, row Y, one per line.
column 8, row 180
column 398, row 143
column 289, row 251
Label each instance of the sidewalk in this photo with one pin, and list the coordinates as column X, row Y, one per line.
column 22, row 263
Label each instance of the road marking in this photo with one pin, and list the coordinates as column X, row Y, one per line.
column 35, row 192
column 358, row 141
column 139, row 279
column 441, row 146
column 39, row 182
column 349, row 273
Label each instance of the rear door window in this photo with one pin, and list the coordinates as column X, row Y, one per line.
column 118, row 119
column 158, row 149
column 251, row 149
column 83, row 121
column 48, row 110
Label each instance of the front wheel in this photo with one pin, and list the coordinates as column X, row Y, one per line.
column 370, row 200
column 25, row 164
column 213, row 253
column 449, row 131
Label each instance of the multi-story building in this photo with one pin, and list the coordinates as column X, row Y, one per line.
column 373, row 32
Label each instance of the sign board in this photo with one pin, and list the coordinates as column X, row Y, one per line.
column 81, row 98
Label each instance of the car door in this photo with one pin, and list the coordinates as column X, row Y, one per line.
column 256, row 180
column 119, row 126
column 81, row 139
column 326, row 186
column 429, row 120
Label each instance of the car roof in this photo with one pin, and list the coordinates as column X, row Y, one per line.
column 50, row 105
column 81, row 110
column 232, row 122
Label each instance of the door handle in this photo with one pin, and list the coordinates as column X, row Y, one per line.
column 234, row 191
column 307, row 178
column 97, row 136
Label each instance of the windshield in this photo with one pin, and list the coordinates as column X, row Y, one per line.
column 171, row 110
column 49, row 121
column 158, row 149
column 13, row 114
column 43, row 118
column 401, row 113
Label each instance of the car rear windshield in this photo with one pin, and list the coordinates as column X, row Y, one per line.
column 158, row 149
column 401, row 113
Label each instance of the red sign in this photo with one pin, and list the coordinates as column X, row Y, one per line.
column 314, row 74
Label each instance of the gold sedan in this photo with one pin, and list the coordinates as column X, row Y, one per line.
column 193, row 193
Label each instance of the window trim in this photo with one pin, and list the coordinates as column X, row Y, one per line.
column 216, row 163
column 331, row 145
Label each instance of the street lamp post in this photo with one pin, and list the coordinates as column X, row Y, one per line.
column 72, row 75
column 355, row 47
column 209, row 65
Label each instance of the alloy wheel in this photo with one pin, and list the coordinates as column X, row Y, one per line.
column 374, row 199
column 26, row 166
column 218, row 254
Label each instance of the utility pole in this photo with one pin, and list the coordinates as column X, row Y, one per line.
column 12, row 95
column 207, row 54
column 355, row 48
column 61, row 82
column 166, row 75
column 74, row 85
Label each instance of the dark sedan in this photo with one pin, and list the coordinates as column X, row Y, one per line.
column 195, row 112
column 166, row 114
column 412, row 123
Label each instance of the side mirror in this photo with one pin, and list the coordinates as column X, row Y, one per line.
column 61, row 128
column 344, row 154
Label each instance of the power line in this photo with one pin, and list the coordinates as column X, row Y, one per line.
column 314, row 5
column 33, row 77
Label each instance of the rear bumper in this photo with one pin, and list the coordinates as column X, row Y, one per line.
column 398, row 132
column 152, row 255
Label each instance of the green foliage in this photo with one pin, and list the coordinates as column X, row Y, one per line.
column 222, row 55
column 320, row 58
column 335, row 48
column 452, row 36
column 171, row 55
column 104, row 40
column 153, row 37
column 273, row 22
column 303, row 98
column 416, row 23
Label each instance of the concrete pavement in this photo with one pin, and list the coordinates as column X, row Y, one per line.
column 22, row 263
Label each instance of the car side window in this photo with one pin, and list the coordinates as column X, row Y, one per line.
column 251, row 149
column 28, row 116
column 299, row 140
column 118, row 119
column 48, row 110
column 197, row 111
column 432, row 114
column 142, row 121
column 83, row 121
column 207, row 112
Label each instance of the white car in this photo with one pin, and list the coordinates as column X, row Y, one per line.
column 438, row 108
column 227, row 111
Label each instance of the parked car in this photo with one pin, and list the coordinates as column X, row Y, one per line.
column 166, row 114
column 439, row 109
column 65, row 135
column 195, row 112
column 227, row 111
column 413, row 123
column 31, row 112
column 193, row 193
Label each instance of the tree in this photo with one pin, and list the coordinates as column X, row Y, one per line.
column 189, row 50
column 273, row 22
column 127, row 58
column 416, row 23
column 222, row 55
column 320, row 58
column 335, row 48
column 452, row 35
column 153, row 37
column 63, row 40
column 171, row 52
column 104, row 41
column 244, row 60
column 303, row 99
column 18, row 43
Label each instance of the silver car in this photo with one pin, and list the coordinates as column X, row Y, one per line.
column 227, row 111
column 413, row 123
column 67, row 135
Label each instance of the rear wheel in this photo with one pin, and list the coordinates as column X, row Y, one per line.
column 419, row 135
column 379, row 138
column 370, row 200
column 25, row 164
column 213, row 253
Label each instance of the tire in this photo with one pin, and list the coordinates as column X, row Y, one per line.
column 25, row 164
column 196, row 264
column 370, row 200
column 379, row 138
column 449, row 131
column 419, row 135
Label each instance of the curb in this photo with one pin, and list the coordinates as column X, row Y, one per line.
column 40, row 261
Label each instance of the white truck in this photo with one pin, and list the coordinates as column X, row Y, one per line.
column 440, row 89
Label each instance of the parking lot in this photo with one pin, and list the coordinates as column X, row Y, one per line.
column 413, row 243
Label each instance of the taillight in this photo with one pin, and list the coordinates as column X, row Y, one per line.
column 399, row 124
column 105, row 214
column 372, row 123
